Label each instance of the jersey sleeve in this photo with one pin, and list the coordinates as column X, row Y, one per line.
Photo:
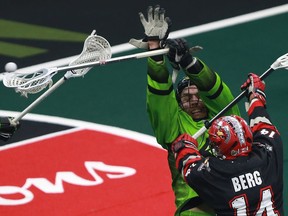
column 213, row 91
column 260, row 122
column 162, row 106
column 258, row 116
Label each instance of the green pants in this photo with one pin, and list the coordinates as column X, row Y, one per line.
column 191, row 213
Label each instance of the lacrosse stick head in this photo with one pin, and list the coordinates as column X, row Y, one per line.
column 281, row 62
column 96, row 48
column 29, row 83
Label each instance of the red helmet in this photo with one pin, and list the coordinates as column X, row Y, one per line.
column 230, row 137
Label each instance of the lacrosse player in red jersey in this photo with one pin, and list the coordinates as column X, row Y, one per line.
column 199, row 96
column 246, row 176
column 7, row 128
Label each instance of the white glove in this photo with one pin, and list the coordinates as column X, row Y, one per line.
column 157, row 27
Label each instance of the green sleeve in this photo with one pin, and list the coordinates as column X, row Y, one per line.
column 162, row 106
column 213, row 91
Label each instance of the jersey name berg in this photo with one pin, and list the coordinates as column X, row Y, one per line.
column 247, row 180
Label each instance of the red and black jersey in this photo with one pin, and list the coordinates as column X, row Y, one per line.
column 248, row 185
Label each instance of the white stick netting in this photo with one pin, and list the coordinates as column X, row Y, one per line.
column 96, row 48
column 281, row 62
column 31, row 83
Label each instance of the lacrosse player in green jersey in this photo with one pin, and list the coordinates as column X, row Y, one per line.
column 198, row 97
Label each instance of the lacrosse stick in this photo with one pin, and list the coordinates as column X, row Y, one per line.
column 281, row 62
column 35, row 82
column 96, row 48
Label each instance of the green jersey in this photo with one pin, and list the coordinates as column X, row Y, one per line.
column 168, row 120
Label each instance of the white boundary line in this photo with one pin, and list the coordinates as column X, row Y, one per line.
column 231, row 21
column 180, row 33
column 79, row 125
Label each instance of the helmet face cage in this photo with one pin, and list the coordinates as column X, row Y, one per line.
column 181, row 85
column 230, row 136
column 189, row 100
column 216, row 150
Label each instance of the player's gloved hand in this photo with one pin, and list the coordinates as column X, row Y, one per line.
column 7, row 128
column 172, row 55
column 179, row 54
column 183, row 146
column 156, row 27
column 255, row 86
column 184, row 141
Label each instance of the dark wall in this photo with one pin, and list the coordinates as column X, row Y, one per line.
column 117, row 21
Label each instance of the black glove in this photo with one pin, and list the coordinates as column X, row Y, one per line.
column 179, row 53
column 156, row 27
column 7, row 128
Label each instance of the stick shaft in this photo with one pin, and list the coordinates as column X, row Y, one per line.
column 116, row 59
column 226, row 108
column 39, row 99
column 67, row 68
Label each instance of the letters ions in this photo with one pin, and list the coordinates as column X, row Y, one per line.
column 112, row 172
